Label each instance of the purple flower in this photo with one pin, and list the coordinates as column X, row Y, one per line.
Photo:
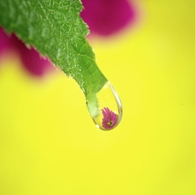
column 31, row 59
column 106, row 17
column 109, row 118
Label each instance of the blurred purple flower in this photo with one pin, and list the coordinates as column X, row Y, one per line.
column 31, row 59
column 109, row 118
column 106, row 17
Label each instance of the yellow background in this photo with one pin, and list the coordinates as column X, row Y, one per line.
column 49, row 144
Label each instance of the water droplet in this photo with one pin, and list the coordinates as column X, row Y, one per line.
column 106, row 108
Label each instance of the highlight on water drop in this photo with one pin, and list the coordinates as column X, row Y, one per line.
column 106, row 110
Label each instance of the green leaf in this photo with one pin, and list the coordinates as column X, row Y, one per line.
column 54, row 28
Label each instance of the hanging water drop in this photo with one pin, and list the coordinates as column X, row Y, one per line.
column 106, row 108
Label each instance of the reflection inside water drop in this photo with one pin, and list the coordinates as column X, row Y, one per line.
column 108, row 112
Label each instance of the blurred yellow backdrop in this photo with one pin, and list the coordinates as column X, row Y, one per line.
column 49, row 144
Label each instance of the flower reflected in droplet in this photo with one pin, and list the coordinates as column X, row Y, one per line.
column 109, row 118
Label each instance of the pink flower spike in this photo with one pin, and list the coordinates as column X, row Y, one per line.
column 109, row 118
